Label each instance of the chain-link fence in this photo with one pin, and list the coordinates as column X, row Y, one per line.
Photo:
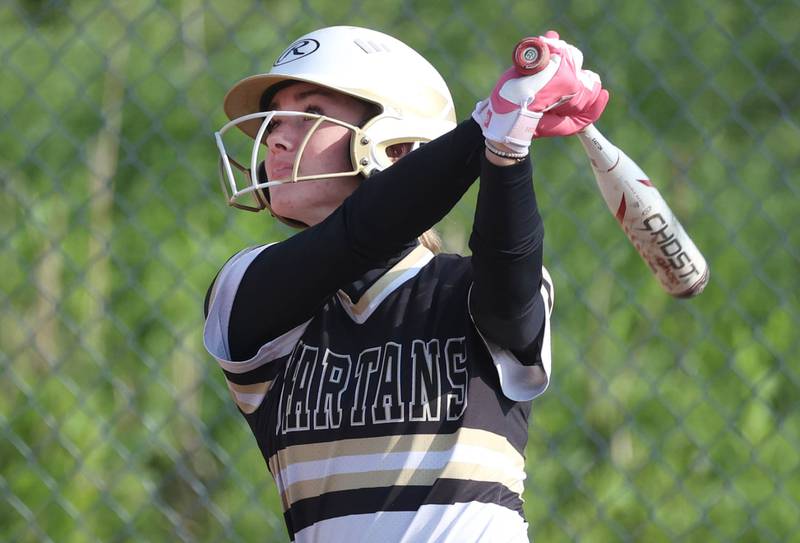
column 666, row 420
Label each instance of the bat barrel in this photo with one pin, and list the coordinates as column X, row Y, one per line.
column 646, row 218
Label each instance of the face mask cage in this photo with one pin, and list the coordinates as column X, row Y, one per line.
column 243, row 184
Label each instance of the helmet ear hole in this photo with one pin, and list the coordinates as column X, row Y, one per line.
column 398, row 150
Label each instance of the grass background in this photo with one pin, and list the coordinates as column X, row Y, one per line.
column 666, row 420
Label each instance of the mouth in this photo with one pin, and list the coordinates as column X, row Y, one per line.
column 279, row 171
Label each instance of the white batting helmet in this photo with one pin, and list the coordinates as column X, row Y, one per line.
column 413, row 102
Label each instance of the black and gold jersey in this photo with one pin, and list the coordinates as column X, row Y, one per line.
column 391, row 418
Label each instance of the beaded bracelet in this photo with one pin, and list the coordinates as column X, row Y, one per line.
column 519, row 157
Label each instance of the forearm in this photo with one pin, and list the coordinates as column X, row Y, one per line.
column 506, row 245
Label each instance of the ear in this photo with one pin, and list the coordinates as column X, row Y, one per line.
column 399, row 150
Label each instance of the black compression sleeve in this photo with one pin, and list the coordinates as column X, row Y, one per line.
column 287, row 282
column 506, row 245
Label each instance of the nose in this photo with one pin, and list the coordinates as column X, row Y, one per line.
column 284, row 135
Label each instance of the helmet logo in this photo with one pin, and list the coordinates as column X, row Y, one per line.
column 299, row 49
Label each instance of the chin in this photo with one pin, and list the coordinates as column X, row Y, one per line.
column 310, row 201
column 283, row 198
column 286, row 205
column 285, row 210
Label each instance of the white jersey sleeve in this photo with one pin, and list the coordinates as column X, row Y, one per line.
column 520, row 382
column 216, row 331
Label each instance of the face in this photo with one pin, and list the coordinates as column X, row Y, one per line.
column 328, row 151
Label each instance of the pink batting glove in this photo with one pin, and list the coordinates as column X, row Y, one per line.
column 559, row 100
column 579, row 111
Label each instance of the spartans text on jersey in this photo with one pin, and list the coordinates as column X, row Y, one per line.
column 427, row 381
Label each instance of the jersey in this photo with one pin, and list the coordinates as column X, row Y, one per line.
column 390, row 418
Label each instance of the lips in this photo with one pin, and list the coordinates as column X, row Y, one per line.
column 279, row 171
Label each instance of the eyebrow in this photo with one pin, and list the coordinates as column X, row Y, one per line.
column 306, row 94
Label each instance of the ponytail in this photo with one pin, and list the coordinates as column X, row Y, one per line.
column 431, row 241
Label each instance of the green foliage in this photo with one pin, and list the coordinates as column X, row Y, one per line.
column 666, row 420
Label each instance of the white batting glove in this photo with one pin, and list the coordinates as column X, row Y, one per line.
column 559, row 100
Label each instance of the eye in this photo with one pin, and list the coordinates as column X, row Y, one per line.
column 272, row 125
column 314, row 110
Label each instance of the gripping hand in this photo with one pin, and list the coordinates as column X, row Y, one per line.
column 559, row 100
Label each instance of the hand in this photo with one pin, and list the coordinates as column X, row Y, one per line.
column 559, row 100
column 584, row 108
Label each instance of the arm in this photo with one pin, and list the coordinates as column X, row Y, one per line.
column 287, row 282
column 507, row 233
column 507, row 257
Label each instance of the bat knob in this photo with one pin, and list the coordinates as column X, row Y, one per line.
column 531, row 55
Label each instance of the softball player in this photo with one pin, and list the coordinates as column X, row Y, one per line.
column 389, row 387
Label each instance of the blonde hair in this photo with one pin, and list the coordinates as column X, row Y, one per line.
column 431, row 240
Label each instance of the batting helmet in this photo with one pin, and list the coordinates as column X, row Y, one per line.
column 413, row 103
